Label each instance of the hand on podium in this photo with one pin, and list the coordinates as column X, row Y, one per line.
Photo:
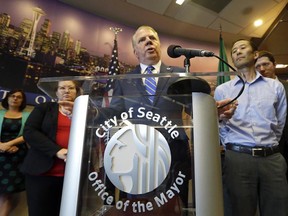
column 66, row 107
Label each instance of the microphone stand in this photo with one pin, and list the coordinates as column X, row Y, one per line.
column 181, row 89
column 187, row 64
column 196, row 84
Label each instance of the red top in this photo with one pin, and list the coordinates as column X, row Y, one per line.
column 62, row 139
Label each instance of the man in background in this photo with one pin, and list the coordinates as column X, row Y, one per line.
column 266, row 65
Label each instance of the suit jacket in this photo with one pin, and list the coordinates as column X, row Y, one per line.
column 162, row 105
column 40, row 134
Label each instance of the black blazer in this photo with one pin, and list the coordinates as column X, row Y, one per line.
column 40, row 134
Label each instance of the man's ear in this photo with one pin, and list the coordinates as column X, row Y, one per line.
column 256, row 54
column 135, row 53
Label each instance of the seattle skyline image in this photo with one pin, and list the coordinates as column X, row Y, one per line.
column 34, row 48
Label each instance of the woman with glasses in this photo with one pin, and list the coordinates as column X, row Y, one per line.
column 12, row 148
column 47, row 132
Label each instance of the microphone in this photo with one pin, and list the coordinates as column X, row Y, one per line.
column 175, row 51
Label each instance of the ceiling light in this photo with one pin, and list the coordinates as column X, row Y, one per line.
column 179, row 2
column 258, row 22
column 281, row 65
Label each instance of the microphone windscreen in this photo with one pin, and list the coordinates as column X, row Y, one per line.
column 171, row 51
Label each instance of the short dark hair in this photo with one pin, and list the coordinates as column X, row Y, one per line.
column 5, row 100
column 252, row 44
column 264, row 53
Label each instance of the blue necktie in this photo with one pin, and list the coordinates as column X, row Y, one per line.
column 150, row 84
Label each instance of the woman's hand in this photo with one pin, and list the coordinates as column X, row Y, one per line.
column 4, row 147
column 62, row 154
column 12, row 149
column 66, row 107
column 12, row 145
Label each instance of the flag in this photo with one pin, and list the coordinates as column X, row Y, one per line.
column 108, row 92
column 113, row 70
column 113, row 66
column 221, row 66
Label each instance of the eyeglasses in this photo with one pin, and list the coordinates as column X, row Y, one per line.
column 16, row 96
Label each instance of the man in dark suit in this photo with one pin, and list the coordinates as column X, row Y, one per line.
column 146, row 45
column 265, row 63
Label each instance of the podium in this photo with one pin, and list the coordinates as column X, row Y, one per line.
column 127, row 156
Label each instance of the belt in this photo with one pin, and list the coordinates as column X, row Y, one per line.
column 254, row 151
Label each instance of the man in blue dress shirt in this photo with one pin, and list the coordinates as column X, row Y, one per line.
column 254, row 170
column 265, row 64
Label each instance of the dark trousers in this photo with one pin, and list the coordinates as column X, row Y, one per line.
column 44, row 195
column 250, row 181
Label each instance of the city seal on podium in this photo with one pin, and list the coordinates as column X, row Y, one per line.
column 137, row 159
